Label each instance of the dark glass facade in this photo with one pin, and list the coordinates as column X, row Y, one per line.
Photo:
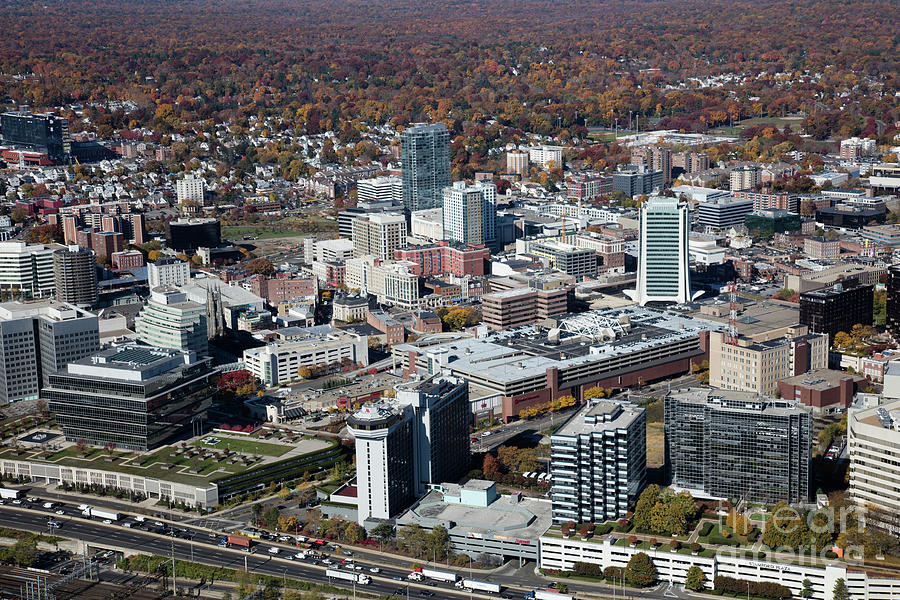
column 836, row 309
column 190, row 235
column 738, row 446
column 892, row 303
column 425, row 165
column 41, row 132
column 134, row 415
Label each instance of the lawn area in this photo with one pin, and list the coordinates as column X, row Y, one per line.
column 245, row 446
column 759, row 517
column 656, row 450
column 607, row 136
column 778, row 122
column 261, row 232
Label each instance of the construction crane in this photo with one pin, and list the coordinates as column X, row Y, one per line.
column 563, row 236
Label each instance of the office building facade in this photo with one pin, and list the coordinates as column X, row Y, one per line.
column 190, row 234
column 837, row 308
column 873, row 433
column 738, row 445
column 892, row 302
column 26, row 271
column 75, row 271
column 385, row 461
column 425, row 165
column 663, row 259
column 722, row 213
column 136, row 397
column 168, row 271
column 379, row 234
column 380, row 189
column 470, row 213
column 42, row 132
column 598, row 460
column 638, row 180
column 170, row 320
column 757, row 366
column 441, row 428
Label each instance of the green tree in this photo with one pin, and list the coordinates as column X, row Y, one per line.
column 270, row 517
column 807, row 591
column 256, row 512
column 640, row 570
column 438, row 543
column 383, row 532
column 412, row 538
column 352, row 534
column 695, row 579
column 840, row 591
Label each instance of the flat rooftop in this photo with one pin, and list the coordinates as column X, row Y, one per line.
column 604, row 415
column 755, row 317
column 820, row 379
column 529, row 518
column 739, row 402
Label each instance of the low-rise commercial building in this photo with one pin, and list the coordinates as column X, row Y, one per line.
column 279, row 361
column 824, row 390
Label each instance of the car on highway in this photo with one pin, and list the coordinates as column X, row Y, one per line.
column 60, row 512
column 107, row 522
column 486, row 434
column 374, row 570
column 474, row 440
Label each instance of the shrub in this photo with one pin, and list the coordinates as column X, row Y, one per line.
column 706, row 529
column 654, row 542
column 695, row 547
column 613, row 572
column 585, row 569
column 763, row 589
column 632, row 539
column 675, row 544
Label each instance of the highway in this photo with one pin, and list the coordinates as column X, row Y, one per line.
column 391, row 582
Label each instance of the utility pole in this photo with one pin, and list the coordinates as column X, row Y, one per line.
column 173, row 563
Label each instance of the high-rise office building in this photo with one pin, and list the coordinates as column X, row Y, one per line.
column 892, row 302
column 190, row 234
column 385, row 463
column 723, row 212
column 42, row 132
column 470, row 212
column 441, row 441
column 170, row 320
column 425, row 165
column 26, row 271
column 75, row 271
column 403, row 445
column 663, row 273
column 598, row 460
column 37, row 339
column 730, row 444
column 137, row 397
column 837, row 308
column 379, row 234
column 168, row 271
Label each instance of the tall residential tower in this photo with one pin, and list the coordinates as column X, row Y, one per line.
column 425, row 165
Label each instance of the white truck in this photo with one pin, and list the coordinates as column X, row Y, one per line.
column 348, row 576
column 547, row 595
column 11, row 494
column 478, row 586
column 98, row 513
column 438, row 575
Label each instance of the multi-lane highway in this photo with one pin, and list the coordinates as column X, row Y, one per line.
column 202, row 547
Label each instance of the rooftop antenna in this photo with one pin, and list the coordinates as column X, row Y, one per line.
column 732, row 316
